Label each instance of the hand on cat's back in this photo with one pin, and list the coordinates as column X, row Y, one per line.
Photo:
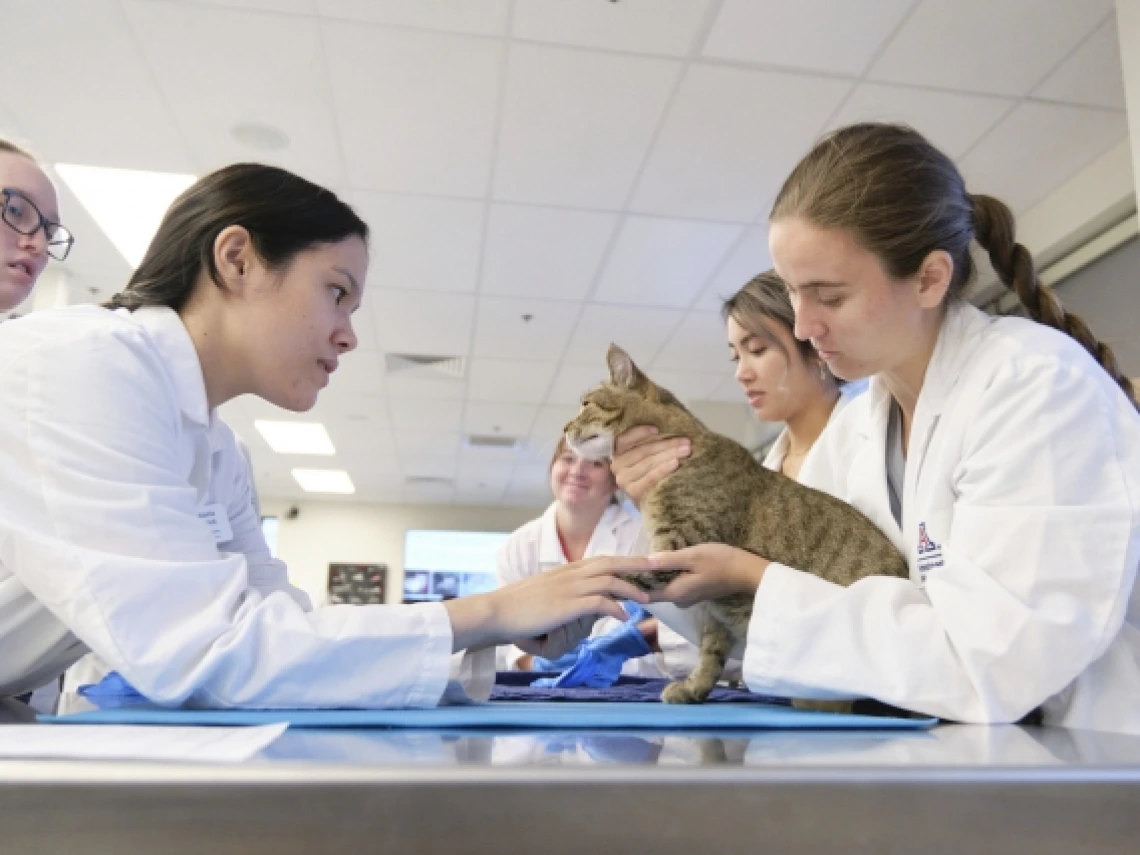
column 712, row 570
column 640, row 462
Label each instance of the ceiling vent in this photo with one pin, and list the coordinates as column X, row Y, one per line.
column 428, row 481
column 425, row 365
column 505, row 443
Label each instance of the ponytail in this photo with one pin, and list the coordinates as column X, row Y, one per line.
column 994, row 230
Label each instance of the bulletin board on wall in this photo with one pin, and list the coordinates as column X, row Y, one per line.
column 357, row 584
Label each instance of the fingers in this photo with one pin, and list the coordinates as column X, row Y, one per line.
column 680, row 559
column 684, row 591
column 601, row 604
column 633, row 437
column 607, row 565
column 618, row 589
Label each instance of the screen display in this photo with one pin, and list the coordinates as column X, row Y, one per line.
column 441, row 565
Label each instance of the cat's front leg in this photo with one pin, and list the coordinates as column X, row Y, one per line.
column 716, row 645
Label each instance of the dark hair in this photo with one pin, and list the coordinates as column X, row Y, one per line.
column 901, row 198
column 283, row 213
column 12, row 148
column 765, row 296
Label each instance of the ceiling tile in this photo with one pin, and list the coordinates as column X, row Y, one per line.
column 361, row 443
column 1092, row 75
column 104, row 108
column 660, row 262
column 8, row 127
column 728, row 391
column 483, row 17
column 551, row 421
column 639, row 331
column 427, row 444
column 359, row 371
column 824, row 35
column 501, row 331
column 287, row 90
column 422, row 322
column 345, row 406
column 428, row 467
column 1037, row 148
column 697, row 345
column 415, row 110
column 544, row 252
column 487, row 419
column 953, row 122
column 509, row 381
column 447, row 389
column 1003, row 48
column 421, row 243
column 291, row 7
column 688, row 385
column 720, row 155
column 550, row 151
column 644, row 26
column 409, row 414
column 749, row 258
column 573, row 382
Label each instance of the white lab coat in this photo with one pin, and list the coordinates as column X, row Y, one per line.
column 677, row 650
column 1021, row 525
column 534, row 548
column 110, row 457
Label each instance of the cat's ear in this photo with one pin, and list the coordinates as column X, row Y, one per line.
column 622, row 370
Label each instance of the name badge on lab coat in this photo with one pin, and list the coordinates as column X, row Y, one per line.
column 218, row 520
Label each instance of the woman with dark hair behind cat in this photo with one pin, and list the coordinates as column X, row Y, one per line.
column 30, row 232
column 128, row 515
column 1003, row 454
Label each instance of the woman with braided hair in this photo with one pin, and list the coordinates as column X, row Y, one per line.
column 1002, row 455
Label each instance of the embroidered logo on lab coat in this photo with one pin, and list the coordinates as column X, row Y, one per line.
column 929, row 553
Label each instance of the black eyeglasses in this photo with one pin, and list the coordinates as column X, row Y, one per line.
column 21, row 214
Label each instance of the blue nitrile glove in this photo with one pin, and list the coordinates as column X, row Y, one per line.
column 562, row 662
column 111, row 692
column 600, row 660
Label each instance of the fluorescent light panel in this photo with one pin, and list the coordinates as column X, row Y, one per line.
column 296, row 437
column 127, row 204
column 324, row 480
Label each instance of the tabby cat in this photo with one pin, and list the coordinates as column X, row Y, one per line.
column 720, row 493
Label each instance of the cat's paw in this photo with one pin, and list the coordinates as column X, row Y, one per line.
column 680, row 692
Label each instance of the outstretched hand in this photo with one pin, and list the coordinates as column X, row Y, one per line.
column 547, row 602
column 710, row 570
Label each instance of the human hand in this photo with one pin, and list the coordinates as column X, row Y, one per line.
column 710, row 570
column 546, row 602
column 640, row 462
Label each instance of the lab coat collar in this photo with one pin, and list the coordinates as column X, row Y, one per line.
column 603, row 541
column 169, row 333
column 962, row 324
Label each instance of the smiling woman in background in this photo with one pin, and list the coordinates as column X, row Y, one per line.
column 31, row 231
column 128, row 522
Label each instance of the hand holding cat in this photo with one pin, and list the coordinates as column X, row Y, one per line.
column 640, row 462
column 545, row 603
column 711, row 570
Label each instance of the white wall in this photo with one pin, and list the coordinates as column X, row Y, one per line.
column 325, row 532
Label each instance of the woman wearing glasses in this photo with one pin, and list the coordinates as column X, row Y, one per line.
column 31, row 229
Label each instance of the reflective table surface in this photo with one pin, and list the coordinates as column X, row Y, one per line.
column 951, row 789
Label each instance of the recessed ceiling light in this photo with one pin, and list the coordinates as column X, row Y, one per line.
column 324, row 480
column 127, row 204
column 259, row 137
column 296, row 437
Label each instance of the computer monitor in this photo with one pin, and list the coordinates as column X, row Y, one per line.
column 441, row 565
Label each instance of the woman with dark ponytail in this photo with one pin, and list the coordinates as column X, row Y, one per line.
column 128, row 516
column 1002, row 455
